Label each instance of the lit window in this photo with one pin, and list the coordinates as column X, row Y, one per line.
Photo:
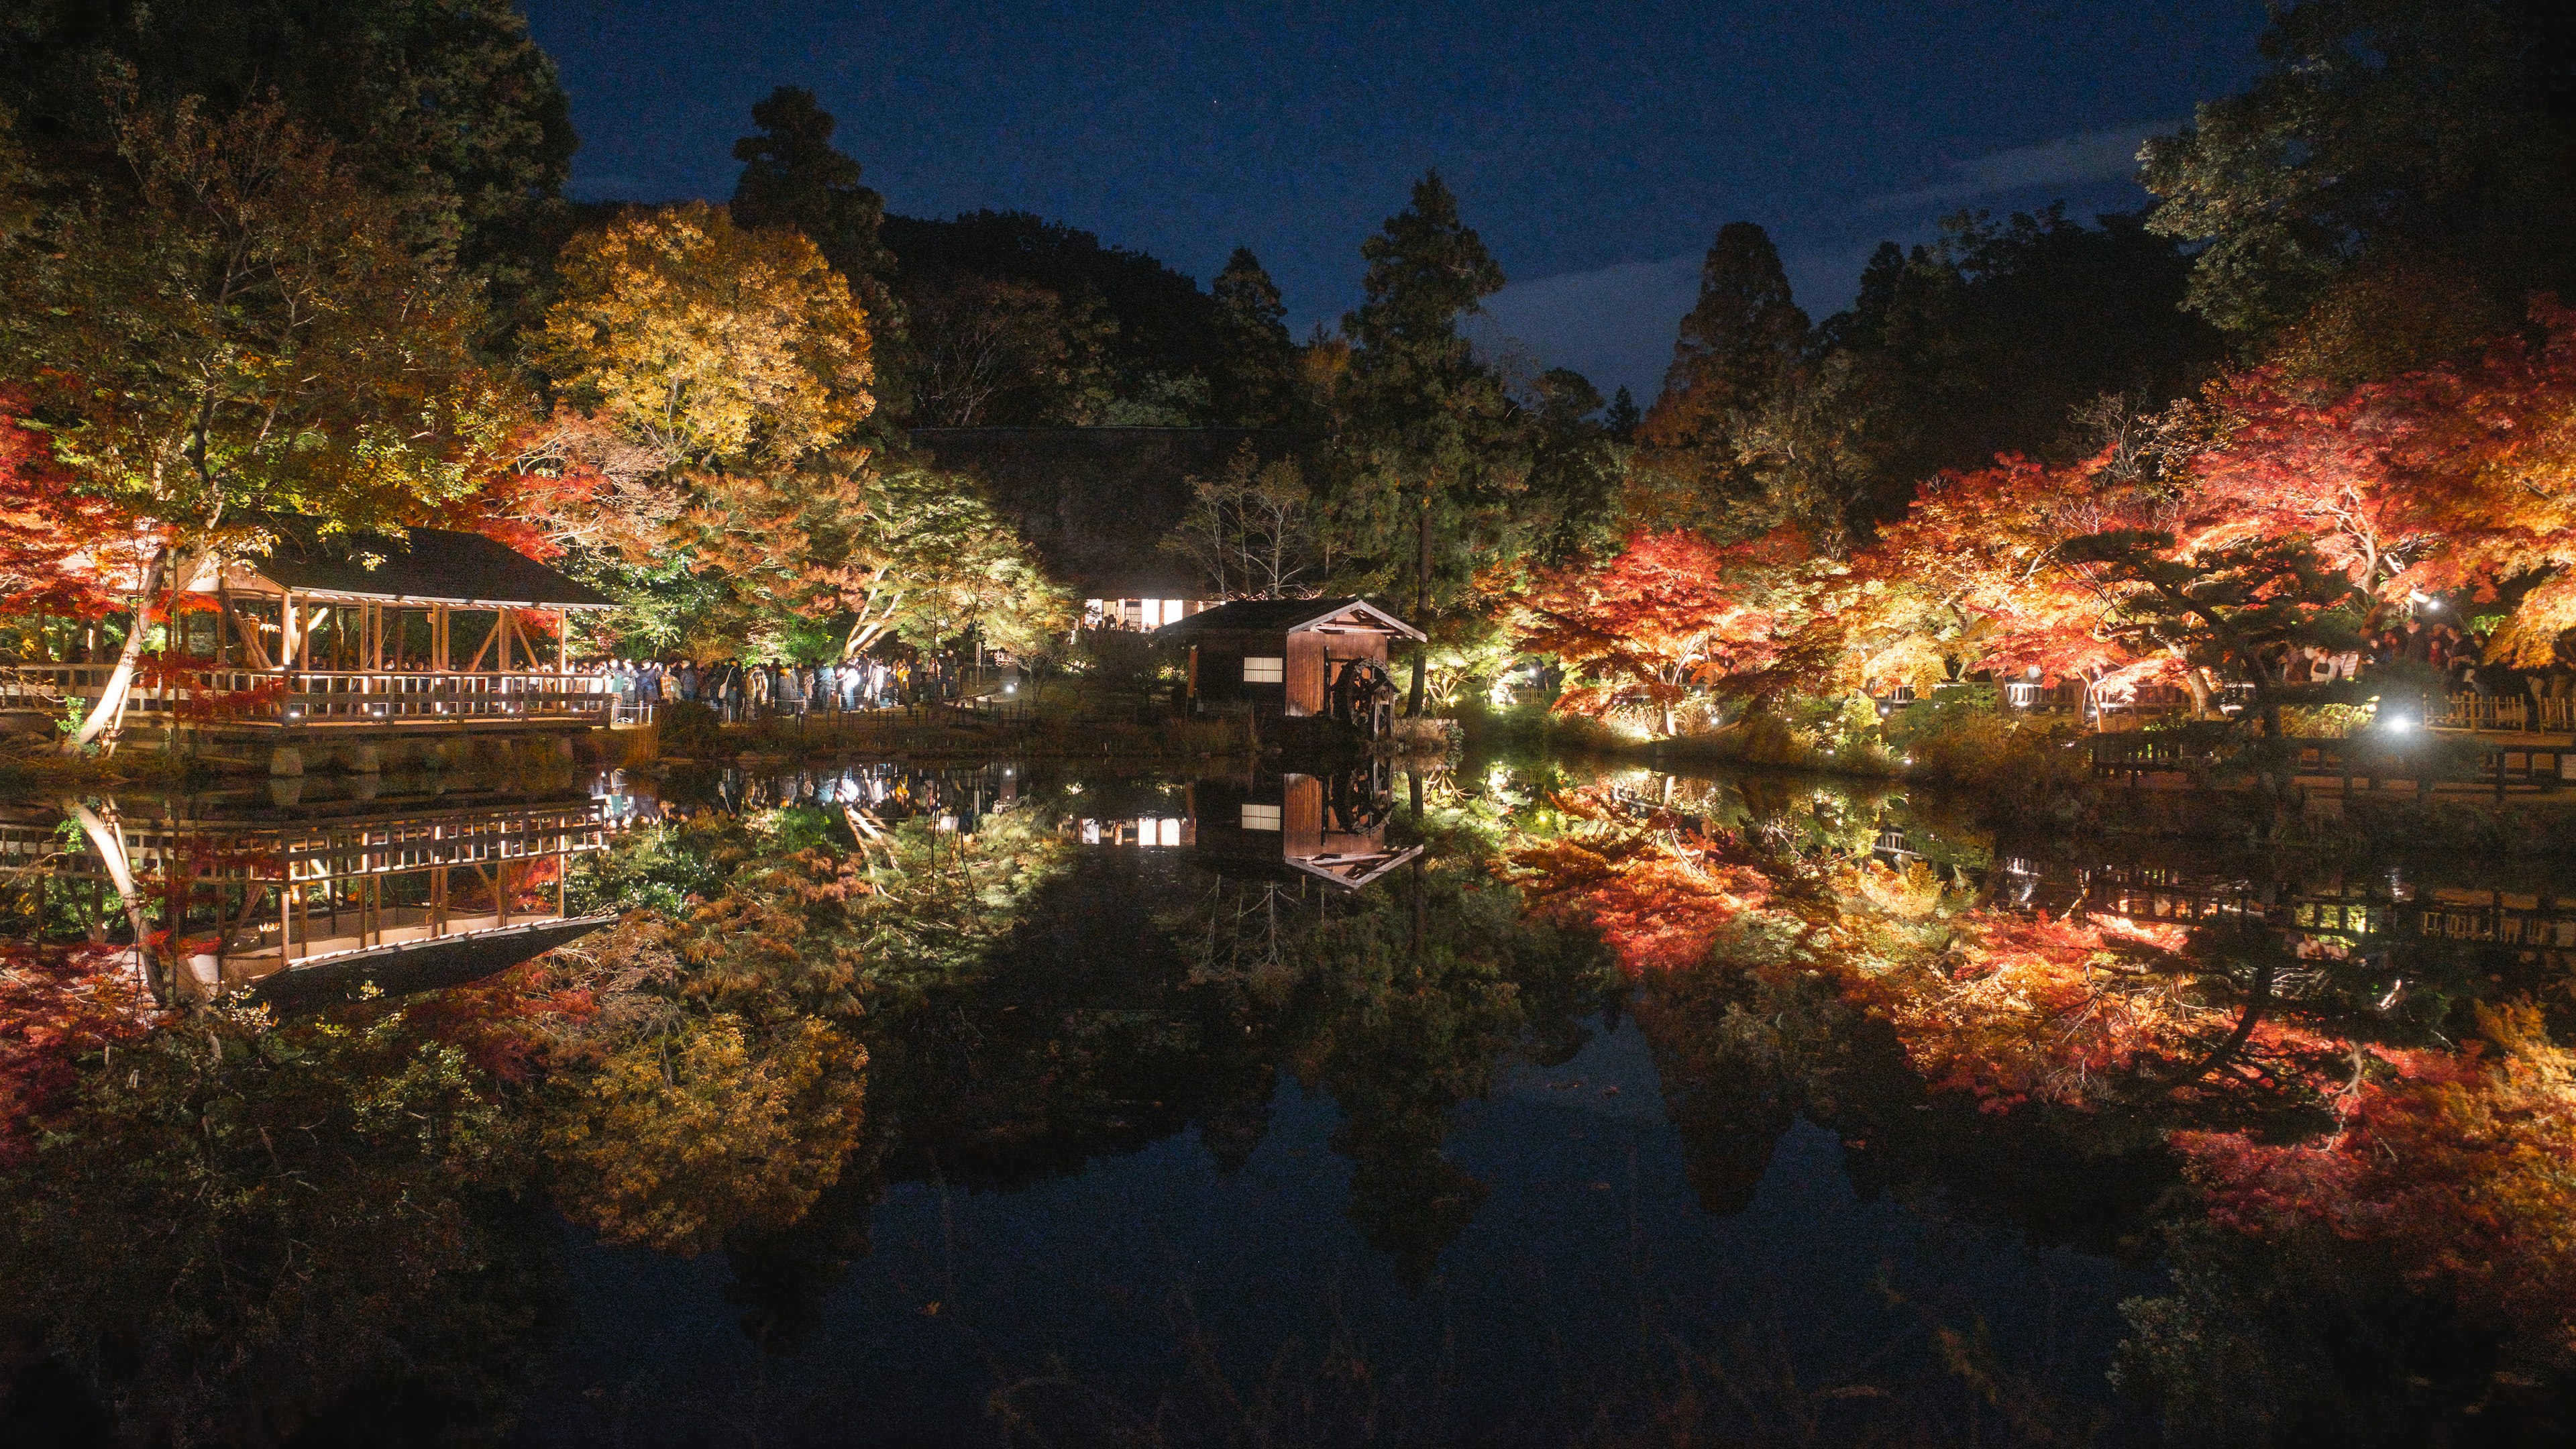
column 1259, row 670
column 1169, row 833
column 1260, row 817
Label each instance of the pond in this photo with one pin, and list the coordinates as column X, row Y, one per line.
column 1526, row 1102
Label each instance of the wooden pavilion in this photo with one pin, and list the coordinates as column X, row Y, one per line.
column 350, row 635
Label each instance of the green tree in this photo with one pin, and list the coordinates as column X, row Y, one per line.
column 2420, row 135
column 1989, row 340
column 228, row 329
column 1140, row 341
column 1740, row 345
column 1255, row 366
column 448, row 108
column 1428, row 439
column 1578, row 459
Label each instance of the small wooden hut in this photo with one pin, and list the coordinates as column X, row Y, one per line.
column 1292, row 657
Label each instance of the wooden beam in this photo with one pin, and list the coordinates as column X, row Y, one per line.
column 475, row 665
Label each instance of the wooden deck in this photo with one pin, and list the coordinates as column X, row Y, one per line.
column 276, row 703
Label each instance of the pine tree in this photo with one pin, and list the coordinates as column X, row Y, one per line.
column 1738, row 347
column 1255, row 371
column 1430, row 440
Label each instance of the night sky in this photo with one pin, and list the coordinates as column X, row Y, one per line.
column 1597, row 148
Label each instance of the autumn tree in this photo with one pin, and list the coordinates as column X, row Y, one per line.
column 1141, row 342
column 717, row 345
column 996, row 351
column 2235, row 610
column 1672, row 618
column 231, row 329
column 1251, row 532
column 449, row 111
column 793, row 176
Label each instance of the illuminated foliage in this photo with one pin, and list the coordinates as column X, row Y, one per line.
column 708, row 1128
column 713, row 344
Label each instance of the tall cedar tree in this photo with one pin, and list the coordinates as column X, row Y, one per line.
column 1254, row 382
column 792, row 176
column 448, row 108
column 1426, row 428
column 1739, row 346
column 2390, row 141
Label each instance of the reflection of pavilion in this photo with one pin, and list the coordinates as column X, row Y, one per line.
column 1331, row 828
column 2333, row 918
column 410, row 893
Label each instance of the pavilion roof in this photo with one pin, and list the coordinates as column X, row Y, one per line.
column 426, row 565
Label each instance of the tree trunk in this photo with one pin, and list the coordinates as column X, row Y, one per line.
column 109, row 842
column 1421, row 603
column 111, row 700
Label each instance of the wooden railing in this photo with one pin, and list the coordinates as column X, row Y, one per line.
column 2515, row 713
column 309, row 697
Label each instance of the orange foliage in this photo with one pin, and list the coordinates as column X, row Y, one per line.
column 1672, row 614
column 2461, row 1170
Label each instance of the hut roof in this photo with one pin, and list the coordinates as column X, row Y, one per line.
column 431, row 565
column 1286, row 616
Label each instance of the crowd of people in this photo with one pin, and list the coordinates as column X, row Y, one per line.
column 2459, row 655
column 739, row 689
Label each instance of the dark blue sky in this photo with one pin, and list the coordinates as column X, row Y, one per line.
column 1596, row 147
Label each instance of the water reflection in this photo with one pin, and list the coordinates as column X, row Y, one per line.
column 951, row 1092
column 225, row 890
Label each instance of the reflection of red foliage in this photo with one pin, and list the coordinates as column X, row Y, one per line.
column 2458, row 1171
column 55, row 1008
column 1658, row 896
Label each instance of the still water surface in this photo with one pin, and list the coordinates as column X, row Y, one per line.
column 1247, row 1122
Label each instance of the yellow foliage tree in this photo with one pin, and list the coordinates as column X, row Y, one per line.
column 684, row 1136
column 718, row 346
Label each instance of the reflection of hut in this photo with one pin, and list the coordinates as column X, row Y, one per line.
column 1295, row 657
column 1330, row 827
